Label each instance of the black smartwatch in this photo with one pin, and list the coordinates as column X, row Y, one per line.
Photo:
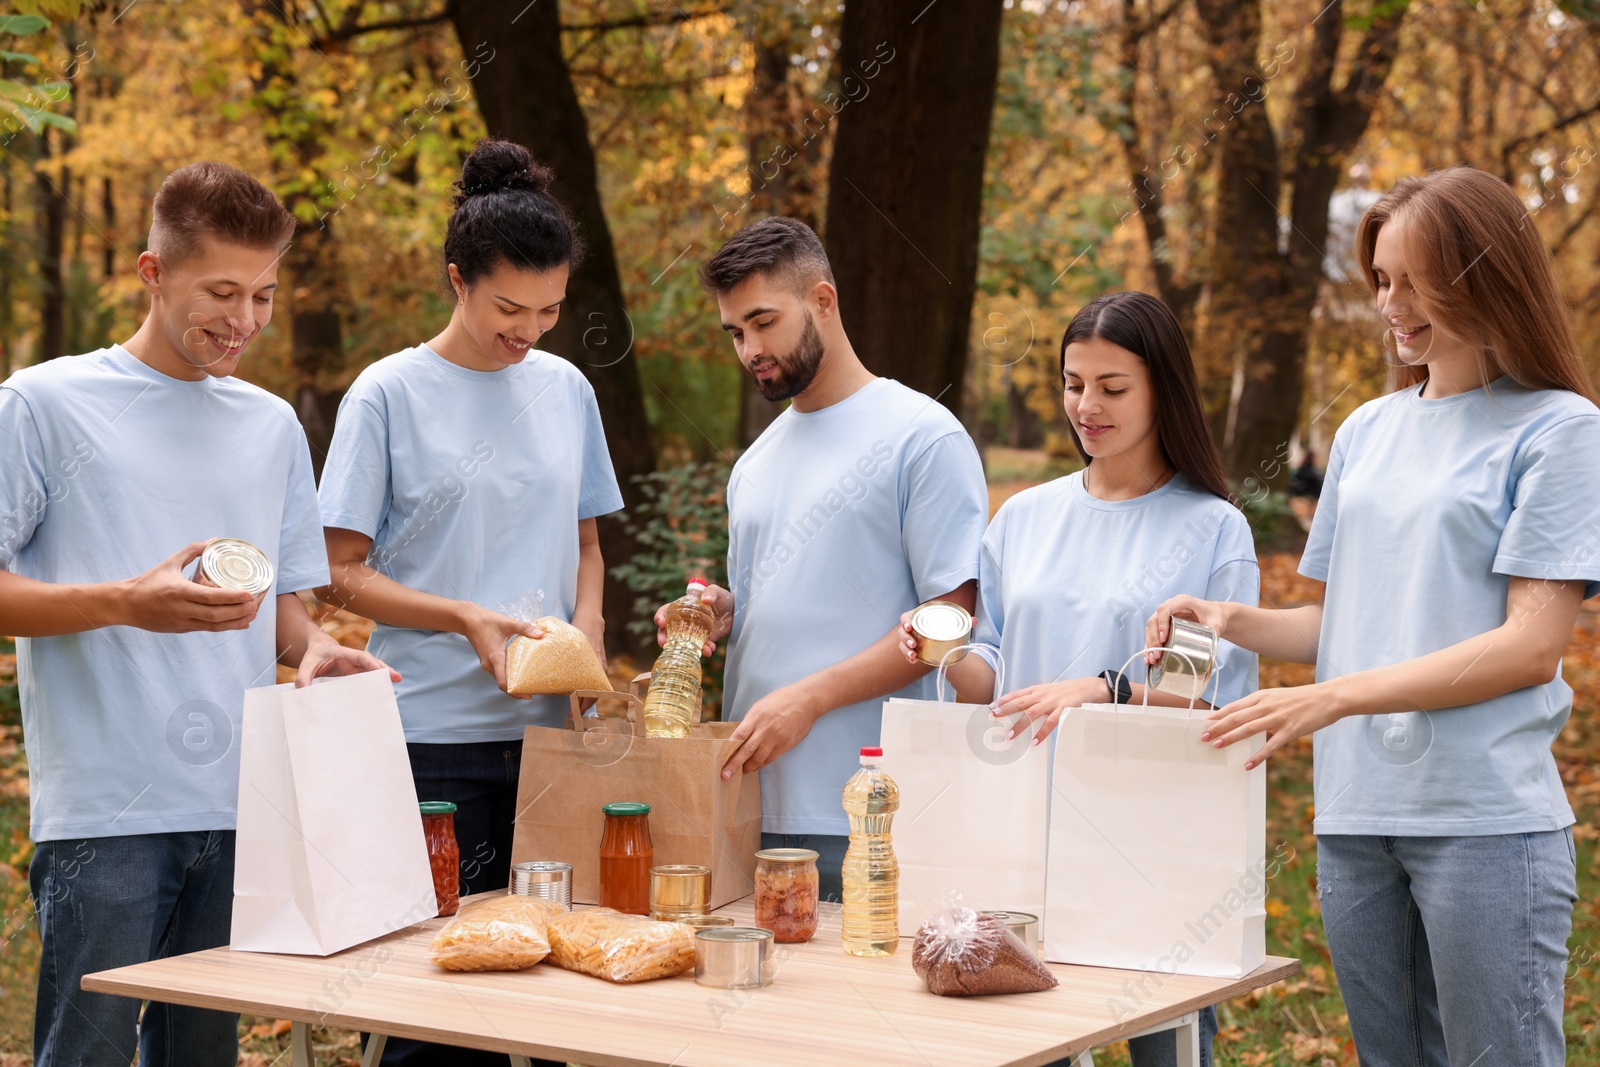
column 1121, row 689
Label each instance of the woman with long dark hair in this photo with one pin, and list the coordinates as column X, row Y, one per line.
column 1457, row 533
column 1071, row 569
column 466, row 472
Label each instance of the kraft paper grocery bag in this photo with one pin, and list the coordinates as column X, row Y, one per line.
column 330, row 851
column 973, row 805
column 569, row 773
column 1157, row 845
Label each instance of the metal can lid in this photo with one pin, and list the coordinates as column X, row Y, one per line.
column 1013, row 918
column 940, row 620
column 437, row 807
column 704, row 921
column 543, row 867
column 626, row 807
column 733, row 933
column 234, row 564
column 787, row 855
column 680, row 870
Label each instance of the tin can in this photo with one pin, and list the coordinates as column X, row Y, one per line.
column 1187, row 673
column 734, row 957
column 1025, row 926
column 678, row 890
column 704, row 922
column 940, row 626
column 545, row 879
column 228, row 563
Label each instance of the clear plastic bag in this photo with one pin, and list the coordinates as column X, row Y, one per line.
column 960, row 953
column 499, row 934
column 559, row 663
column 620, row 948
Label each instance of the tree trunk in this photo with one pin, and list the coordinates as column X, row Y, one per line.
column 314, row 287
column 1264, row 281
column 780, row 171
column 524, row 89
column 905, row 187
column 52, row 217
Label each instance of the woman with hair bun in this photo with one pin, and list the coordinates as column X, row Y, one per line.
column 463, row 473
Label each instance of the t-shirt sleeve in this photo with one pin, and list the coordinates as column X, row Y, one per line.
column 1235, row 577
column 946, row 508
column 356, row 491
column 302, row 552
column 1555, row 509
column 598, row 493
column 1319, row 542
column 990, row 624
column 24, row 479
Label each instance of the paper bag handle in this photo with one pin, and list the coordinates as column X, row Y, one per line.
column 988, row 653
column 1216, row 674
column 634, row 715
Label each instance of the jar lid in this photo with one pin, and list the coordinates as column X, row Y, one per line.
column 626, row 807
column 787, row 855
column 437, row 807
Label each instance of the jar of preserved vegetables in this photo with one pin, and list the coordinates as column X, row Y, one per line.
column 444, row 855
column 786, row 893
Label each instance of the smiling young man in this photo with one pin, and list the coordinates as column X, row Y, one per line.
column 115, row 467
column 860, row 501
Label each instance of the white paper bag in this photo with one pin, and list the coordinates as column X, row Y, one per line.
column 1157, row 845
column 330, row 851
column 973, row 806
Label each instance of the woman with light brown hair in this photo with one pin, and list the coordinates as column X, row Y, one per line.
column 1458, row 532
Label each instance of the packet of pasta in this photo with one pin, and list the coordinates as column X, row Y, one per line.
column 499, row 934
column 620, row 948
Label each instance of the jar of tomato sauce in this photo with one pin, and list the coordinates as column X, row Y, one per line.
column 626, row 856
column 444, row 855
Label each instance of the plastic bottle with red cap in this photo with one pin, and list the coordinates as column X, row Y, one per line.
column 871, row 874
column 672, row 704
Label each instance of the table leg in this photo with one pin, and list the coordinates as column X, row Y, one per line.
column 520, row 1061
column 300, row 1045
column 1085, row 1059
column 374, row 1053
column 1188, row 1035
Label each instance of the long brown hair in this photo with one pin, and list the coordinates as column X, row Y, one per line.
column 1146, row 327
column 1475, row 256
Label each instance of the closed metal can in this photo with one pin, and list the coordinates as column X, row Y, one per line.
column 545, row 879
column 734, row 957
column 228, row 563
column 1185, row 668
column 1024, row 925
column 679, row 889
column 940, row 626
column 704, row 922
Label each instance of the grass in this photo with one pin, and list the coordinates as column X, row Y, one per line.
column 1295, row 1023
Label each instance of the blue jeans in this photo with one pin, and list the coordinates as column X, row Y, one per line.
column 480, row 778
column 108, row 902
column 1451, row 950
column 830, row 850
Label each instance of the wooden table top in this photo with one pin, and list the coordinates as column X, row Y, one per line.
column 824, row 1007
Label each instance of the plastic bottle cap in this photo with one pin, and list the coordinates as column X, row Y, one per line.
column 437, row 807
column 626, row 807
column 700, row 582
column 872, row 752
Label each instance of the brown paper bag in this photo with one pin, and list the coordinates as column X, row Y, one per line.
column 568, row 774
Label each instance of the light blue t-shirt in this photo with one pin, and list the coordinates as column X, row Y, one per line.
column 107, row 467
column 839, row 521
column 1428, row 508
column 1068, row 580
column 471, row 485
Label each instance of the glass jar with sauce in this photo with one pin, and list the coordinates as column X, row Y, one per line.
column 444, row 855
column 786, row 893
column 626, row 857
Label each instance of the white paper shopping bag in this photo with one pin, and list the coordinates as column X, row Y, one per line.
column 973, row 806
column 330, row 851
column 1157, row 845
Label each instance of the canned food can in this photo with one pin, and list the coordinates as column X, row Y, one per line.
column 1185, row 668
column 228, row 563
column 1024, row 925
column 734, row 957
column 545, row 879
column 679, row 889
column 940, row 626
column 702, row 922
